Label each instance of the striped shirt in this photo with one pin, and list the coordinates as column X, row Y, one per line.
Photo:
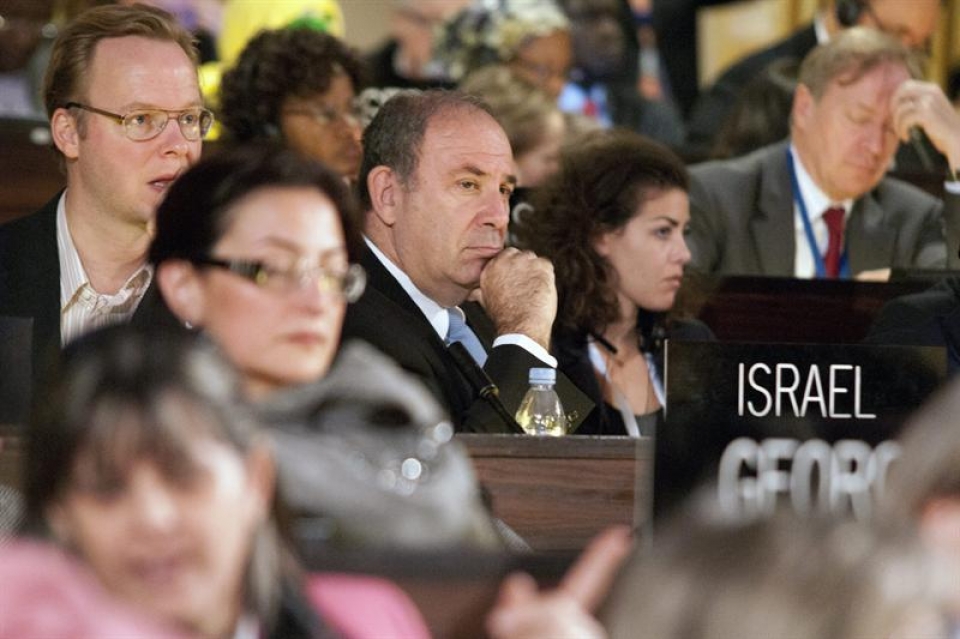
column 82, row 308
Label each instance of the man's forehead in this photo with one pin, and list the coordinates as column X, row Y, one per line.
column 473, row 138
column 884, row 77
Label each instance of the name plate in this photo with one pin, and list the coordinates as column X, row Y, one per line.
column 809, row 426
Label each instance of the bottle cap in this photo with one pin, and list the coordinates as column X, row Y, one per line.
column 543, row 376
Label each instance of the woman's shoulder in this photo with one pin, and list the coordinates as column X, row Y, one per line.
column 387, row 611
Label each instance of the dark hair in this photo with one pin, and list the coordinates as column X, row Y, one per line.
column 275, row 65
column 123, row 392
column 73, row 49
column 194, row 215
column 601, row 181
column 395, row 136
column 762, row 112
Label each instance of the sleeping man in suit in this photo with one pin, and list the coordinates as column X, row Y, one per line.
column 127, row 118
column 435, row 182
column 819, row 204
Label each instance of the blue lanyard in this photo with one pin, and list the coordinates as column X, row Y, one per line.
column 808, row 227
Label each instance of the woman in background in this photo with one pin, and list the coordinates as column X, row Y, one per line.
column 298, row 86
column 532, row 38
column 612, row 221
column 144, row 461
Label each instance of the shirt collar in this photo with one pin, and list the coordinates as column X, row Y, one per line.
column 72, row 275
column 820, row 28
column 435, row 314
column 73, row 278
column 814, row 198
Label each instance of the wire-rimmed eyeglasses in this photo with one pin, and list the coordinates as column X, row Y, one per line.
column 349, row 283
column 146, row 124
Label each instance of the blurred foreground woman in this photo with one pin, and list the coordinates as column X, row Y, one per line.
column 144, row 461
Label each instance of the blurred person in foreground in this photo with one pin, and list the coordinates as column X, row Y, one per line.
column 257, row 249
column 779, row 577
column 922, row 490
column 144, row 460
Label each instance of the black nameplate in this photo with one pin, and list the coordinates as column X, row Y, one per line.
column 807, row 425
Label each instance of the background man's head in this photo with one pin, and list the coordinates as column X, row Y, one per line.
column 841, row 117
column 912, row 22
column 436, row 178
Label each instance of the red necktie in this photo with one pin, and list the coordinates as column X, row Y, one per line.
column 834, row 220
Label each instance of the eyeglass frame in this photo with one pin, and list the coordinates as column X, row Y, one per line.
column 355, row 277
column 328, row 115
column 171, row 115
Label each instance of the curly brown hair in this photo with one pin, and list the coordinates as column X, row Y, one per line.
column 603, row 178
column 274, row 66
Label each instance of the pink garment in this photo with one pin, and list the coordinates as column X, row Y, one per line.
column 363, row 607
column 44, row 593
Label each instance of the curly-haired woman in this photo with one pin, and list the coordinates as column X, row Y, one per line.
column 613, row 221
column 298, row 85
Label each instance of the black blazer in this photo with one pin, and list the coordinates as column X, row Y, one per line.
column 570, row 349
column 929, row 318
column 387, row 318
column 30, row 278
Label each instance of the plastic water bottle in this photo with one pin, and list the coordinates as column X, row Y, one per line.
column 540, row 412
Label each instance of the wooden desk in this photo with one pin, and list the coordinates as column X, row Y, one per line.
column 557, row 493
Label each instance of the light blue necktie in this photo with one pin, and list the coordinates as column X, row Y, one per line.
column 460, row 332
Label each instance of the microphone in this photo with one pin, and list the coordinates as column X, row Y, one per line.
column 482, row 384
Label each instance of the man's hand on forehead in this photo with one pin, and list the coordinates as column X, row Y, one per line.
column 924, row 105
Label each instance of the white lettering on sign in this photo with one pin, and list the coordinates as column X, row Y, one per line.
column 763, row 391
column 753, row 477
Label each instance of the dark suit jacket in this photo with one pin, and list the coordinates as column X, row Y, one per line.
column 716, row 103
column 387, row 318
column 742, row 220
column 30, row 278
column 30, row 283
column 930, row 318
column 573, row 359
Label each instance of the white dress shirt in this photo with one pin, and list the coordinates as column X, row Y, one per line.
column 817, row 202
column 82, row 308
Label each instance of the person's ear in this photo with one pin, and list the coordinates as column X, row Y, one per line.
column 804, row 105
column 385, row 191
column 63, row 130
column 182, row 290
column 602, row 244
column 261, row 478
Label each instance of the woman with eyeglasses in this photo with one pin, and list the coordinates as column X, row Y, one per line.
column 297, row 86
column 255, row 247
